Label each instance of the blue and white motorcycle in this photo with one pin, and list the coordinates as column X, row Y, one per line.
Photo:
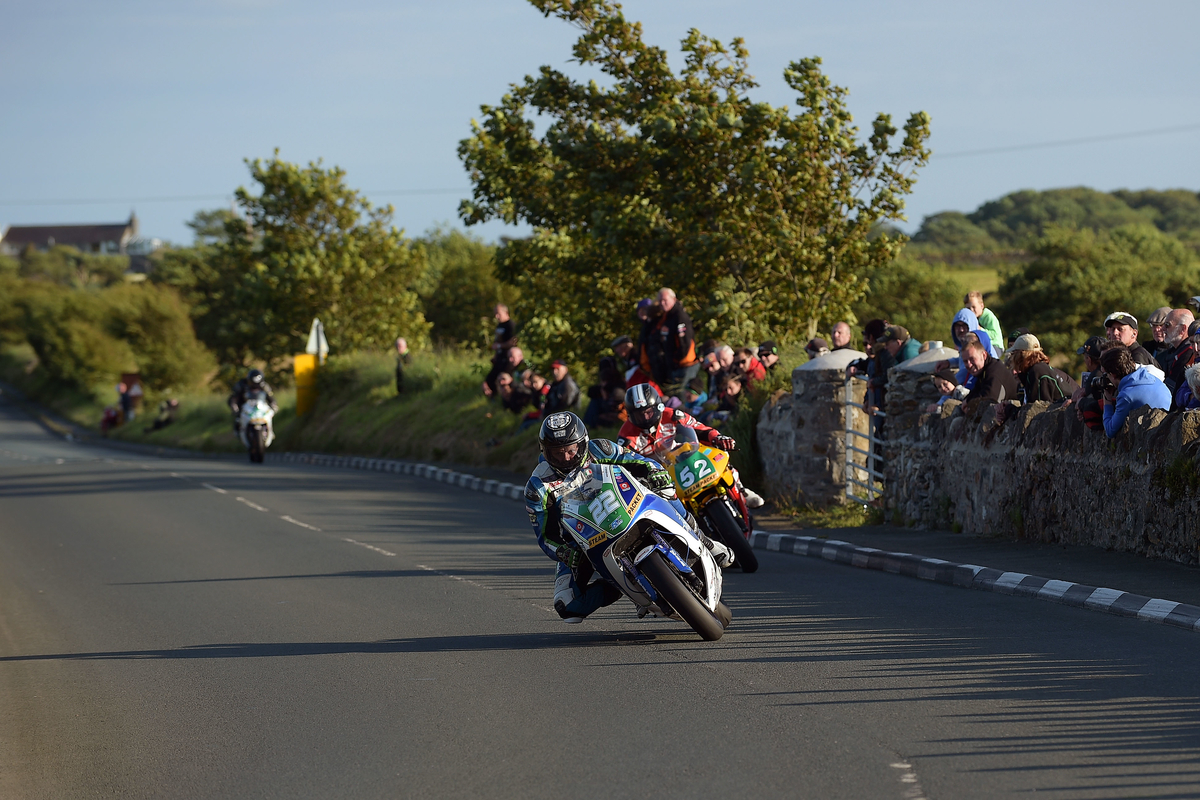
column 635, row 539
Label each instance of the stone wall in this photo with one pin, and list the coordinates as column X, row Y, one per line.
column 1043, row 475
column 802, row 435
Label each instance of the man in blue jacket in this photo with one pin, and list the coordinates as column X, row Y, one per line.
column 1135, row 387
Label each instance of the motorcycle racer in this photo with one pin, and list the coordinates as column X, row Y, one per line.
column 566, row 449
column 650, row 422
column 253, row 382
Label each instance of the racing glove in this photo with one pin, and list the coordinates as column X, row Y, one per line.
column 568, row 555
column 726, row 443
column 659, row 481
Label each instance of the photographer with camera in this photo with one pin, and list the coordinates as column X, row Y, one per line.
column 1129, row 386
column 1088, row 398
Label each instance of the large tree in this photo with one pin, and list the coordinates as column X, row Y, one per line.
column 757, row 216
column 305, row 246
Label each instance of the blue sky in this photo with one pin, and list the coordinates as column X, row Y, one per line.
column 126, row 101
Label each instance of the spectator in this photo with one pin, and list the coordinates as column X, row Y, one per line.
column 670, row 344
column 1158, row 332
column 749, row 367
column 506, row 330
column 712, row 366
column 1014, row 334
column 623, row 348
column 1132, row 386
column 816, row 348
column 607, row 397
column 1088, row 399
column 1039, row 380
column 511, row 363
column 166, row 415
column 994, row 381
column 1179, row 350
column 401, row 362
column 510, row 395
column 1123, row 329
column 695, row 396
column 536, row 388
column 124, row 401
column 946, row 382
column 564, row 392
column 964, row 322
column 731, row 392
column 840, row 336
column 899, row 344
column 1188, row 396
column 987, row 320
column 768, row 354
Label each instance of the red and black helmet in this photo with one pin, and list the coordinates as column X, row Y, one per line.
column 644, row 405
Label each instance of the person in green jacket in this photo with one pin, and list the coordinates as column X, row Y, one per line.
column 987, row 320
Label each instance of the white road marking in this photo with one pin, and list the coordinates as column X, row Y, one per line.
column 255, row 506
column 908, row 777
column 301, row 524
column 369, row 546
column 473, row 583
column 216, row 489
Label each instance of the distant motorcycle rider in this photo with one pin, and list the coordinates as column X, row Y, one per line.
column 253, row 382
column 567, row 449
column 650, row 421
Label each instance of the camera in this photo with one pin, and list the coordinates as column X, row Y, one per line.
column 1099, row 383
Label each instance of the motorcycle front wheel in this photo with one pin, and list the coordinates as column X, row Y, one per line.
column 688, row 606
column 256, row 445
column 729, row 532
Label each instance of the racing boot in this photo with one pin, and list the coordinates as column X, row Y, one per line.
column 753, row 498
column 564, row 594
column 721, row 554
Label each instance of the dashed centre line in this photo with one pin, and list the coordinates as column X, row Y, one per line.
column 255, row 506
column 369, row 547
column 216, row 489
column 286, row 518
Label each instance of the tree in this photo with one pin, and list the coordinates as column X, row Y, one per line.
column 757, row 217
column 305, row 246
column 913, row 294
column 1077, row 278
column 460, row 289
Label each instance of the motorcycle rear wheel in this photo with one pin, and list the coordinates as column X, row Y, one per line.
column 667, row 584
column 729, row 532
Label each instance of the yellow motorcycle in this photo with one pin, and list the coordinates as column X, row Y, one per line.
column 705, row 484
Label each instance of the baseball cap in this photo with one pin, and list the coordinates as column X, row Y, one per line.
column 1121, row 318
column 1026, row 341
column 1091, row 347
column 768, row 347
column 894, row 333
column 816, row 344
column 558, row 362
column 620, row 340
column 1014, row 333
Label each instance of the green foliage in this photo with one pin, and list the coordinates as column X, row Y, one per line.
column 760, row 219
column 84, row 339
column 211, row 227
column 308, row 246
column 921, row 297
column 459, row 290
column 1077, row 278
column 67, row 266
column 954, row 231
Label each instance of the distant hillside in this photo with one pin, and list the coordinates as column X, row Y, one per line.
column 1001, row 230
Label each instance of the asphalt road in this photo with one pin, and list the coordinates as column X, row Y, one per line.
column 197, row 628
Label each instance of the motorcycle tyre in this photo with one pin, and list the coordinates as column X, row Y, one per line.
column 723, row 615
column 255, row 449
column 688, row 606
column 731, row 534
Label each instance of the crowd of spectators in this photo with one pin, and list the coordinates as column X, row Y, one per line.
column 1121, row 373
column 707, row 379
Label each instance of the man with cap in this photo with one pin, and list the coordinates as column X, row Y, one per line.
column 945, row 380
column 898, row 342
column 1158, row 330
column 1122, row 328
column 564, row 392
column 768, row 354
column 816, row 348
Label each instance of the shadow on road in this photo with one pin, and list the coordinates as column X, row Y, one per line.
column 430, row 644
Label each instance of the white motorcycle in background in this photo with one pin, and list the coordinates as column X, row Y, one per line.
column 254, row 425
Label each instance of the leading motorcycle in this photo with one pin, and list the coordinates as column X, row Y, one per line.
column 636, row 540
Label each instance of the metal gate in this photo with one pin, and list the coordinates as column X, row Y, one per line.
column 864, row 482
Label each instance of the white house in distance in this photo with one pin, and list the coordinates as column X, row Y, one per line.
column 113, row 238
